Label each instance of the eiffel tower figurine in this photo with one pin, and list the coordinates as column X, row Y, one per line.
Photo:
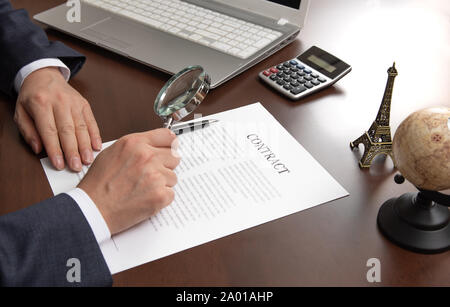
column 378, row 139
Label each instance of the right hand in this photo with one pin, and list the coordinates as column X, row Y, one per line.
column 133, row 178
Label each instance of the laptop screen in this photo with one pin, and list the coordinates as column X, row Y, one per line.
column 295, row 4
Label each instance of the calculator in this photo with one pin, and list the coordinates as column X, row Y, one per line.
column 311, row 71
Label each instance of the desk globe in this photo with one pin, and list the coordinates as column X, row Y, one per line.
column 421, row 221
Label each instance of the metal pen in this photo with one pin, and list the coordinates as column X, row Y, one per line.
column 186, row 127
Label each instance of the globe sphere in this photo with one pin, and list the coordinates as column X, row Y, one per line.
column 421, row 148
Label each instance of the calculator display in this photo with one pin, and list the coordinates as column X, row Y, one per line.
column 323, row 62
column 316, row 60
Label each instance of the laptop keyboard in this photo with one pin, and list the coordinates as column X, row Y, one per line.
column 209, row 28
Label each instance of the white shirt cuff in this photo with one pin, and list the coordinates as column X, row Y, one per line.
column 33, row 66
column 92, row 215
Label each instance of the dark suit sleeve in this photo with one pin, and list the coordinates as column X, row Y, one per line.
column 23, row 42
column 37, row 242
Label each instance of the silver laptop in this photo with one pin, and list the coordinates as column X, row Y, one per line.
column 226, row 37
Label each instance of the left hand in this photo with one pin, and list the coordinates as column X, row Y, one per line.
column 52, row 114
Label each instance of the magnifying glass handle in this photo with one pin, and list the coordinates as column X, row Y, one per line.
column 168, row 123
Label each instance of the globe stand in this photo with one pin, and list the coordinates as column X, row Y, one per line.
column 419, row 222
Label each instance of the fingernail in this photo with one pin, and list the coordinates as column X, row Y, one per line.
column 174, row 145
column 98, row 144
column 35, row 147
column 88, row 156
column 175, row 153
column 59, row 162
column 172, row 133
column 76, row 163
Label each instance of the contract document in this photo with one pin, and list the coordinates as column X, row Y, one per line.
column 240, row 172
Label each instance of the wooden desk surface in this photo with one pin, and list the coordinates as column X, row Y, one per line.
column 326, row 245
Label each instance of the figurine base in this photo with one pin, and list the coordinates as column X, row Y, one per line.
column 415, row 224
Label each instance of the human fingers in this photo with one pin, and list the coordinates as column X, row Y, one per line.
column 166, row 157
column 27, row 128
column 66, row 132
column 162, row 197
column 92, row 127
column 169, row 176
column 46, row 127
column 162, row 137
column 170, row 196
column 83, row 137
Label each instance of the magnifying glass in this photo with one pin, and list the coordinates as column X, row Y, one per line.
column 182, row 94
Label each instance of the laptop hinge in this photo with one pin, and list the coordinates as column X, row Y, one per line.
column 282, row 21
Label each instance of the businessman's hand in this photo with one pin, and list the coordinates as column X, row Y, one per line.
column 133, row 179
column 52, row 114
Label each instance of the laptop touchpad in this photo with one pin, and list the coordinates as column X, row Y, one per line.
column 113, row 32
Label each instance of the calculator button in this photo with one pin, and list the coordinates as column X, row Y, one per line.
column 298, row 90
column 293, row 62
column 294, row 69
column 281, row 75
column 274, row 70
column 315, row 82
column 307, row 71
column 281, row 82
column 308, row 85
column 322, row 79
column 287, row 64
column 314, row 75
column 301, row 80
column 308, row 78
column 295, row 83
column 300, row 66
column 287, row 79
column 273, row 77
column 267, row 73
column 287, row 87
column 280, row 66
column 301, row 73
column 294, row 76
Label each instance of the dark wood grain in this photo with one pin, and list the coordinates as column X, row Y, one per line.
column 326, row 245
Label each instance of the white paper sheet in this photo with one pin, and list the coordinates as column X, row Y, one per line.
column 238, row 173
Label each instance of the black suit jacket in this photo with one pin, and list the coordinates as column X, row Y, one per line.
column 36, row 243
column 23, row 42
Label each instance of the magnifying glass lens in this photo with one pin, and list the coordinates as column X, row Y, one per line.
column 182, row 94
